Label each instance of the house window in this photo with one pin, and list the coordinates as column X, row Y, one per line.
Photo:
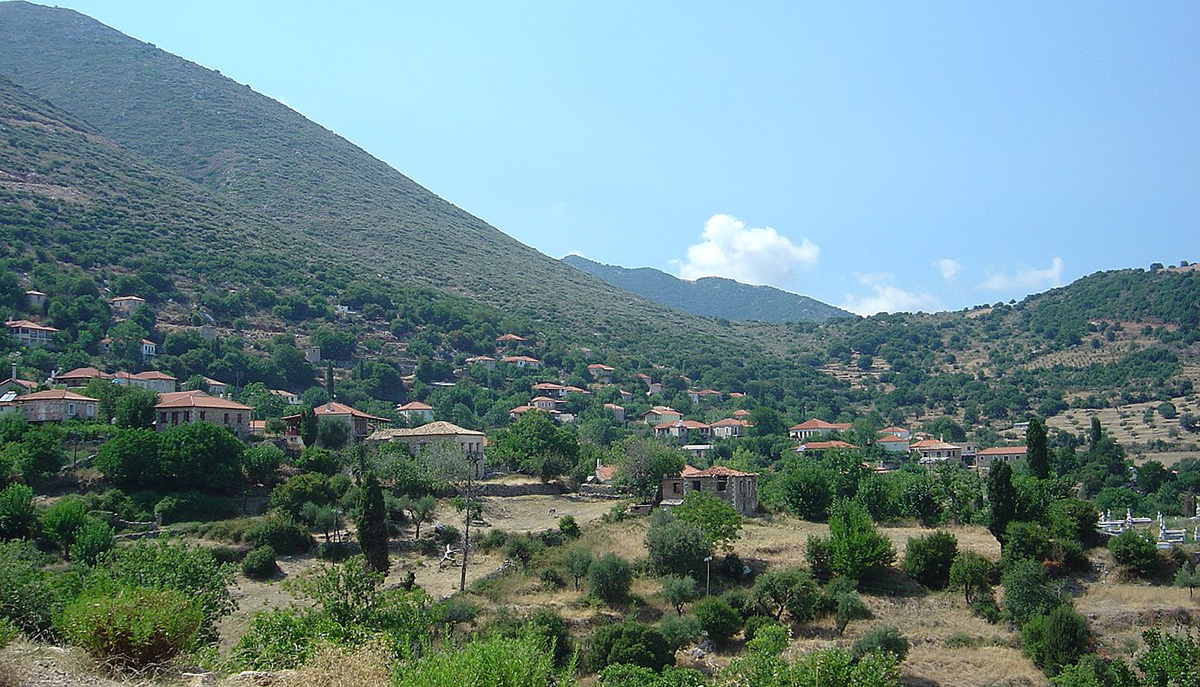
column 722, row 484
column 226, row 418
column 239, row 418
column 696, row 485
column 202, row 414
column 70, row 409
column 675, row 487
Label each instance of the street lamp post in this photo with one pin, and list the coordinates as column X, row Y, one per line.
column 707, row 574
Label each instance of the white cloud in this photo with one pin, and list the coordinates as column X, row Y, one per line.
column 886, row 297
column 756, row 255
column 949, row 267
column 1027, row 278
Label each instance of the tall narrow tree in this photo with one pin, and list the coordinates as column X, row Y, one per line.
column 308, row 427
column 372, row 526
column 1035, row 449
column 1003, row 499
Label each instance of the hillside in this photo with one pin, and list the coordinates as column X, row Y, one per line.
column 265, row 157
column 711, row 296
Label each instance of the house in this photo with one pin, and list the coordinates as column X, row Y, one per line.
column 516, row 413
column 704, row 396
column 417, row 439
column 815, row 428
column 149, row 349
column 550, row 389
column 156, row 381
column 522, row 361
column 56, row 405
column 545, row 404
column 604, row 473
column 898, row 431
column 575, row 390
column 216, row 387
column 644, row 378
column 739, row 489
column 415, row 411
column 488, row 362
column 361, row 424
column 176, row 408
column 625, row 395
column 618, row 412
column 653, row 389
column 660, row 414
column 511, row 340
column 681, row 429
column 933, row 451
column 601, row 373
column 16, row 386
column 892, row 443
column 125, row 305
column 741, row 414
column 736, row 394
column 312, row 354
column 36, row 300
column 817, row 448
column 729, row 428
column 288, row 397
column 31, row 333
column 985, row 457
column 79, row 377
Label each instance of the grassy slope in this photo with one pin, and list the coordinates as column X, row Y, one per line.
column 264, row 156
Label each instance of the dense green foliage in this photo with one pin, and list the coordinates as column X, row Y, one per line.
column 133, row 627
column 1056, row 640
column 928, row 559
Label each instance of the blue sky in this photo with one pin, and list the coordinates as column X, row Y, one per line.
column 877, row 156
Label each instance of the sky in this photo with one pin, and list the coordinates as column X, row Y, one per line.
column 876, row 156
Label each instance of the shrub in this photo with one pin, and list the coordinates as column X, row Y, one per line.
column 819, row 556
column 489, row 661
column 28, row 597
column 1074, row 519
column 491, row 540
column 742, row 600
column 792, row 590
column 334, row 551
column 1028, row 592
column 678, row 591
column 855, row 547
column 192, row 507
column 520, row 548
column 1134, row 550
column 283, row 638
column 769, row 638
column 568, row 527
column 621, row 675
column 610, row 577
column 712, row 514
column 928, row 559
column 17, row 513
column 1025, row 541
column 552, row 579
column 134, row 627
column 260, row 563
column 806, row 491
column 630, row 643
column 677, row 547
column 261, row 461
column 284, row 535
column 971, row 573
column 62, row 520
column 577, row 562
column 8, row 632
column 882, row 639
column 680, row 630
column 849, row 607
column 717, row 619
column 1056, row 640
column 92, row 540
column 453, row 611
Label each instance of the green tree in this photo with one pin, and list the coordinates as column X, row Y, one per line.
column 856, row 548
column 1135, row 550
column 39, row 454
column 971, row 573
column 712, row 514
column 372, row 526
column 793, row 590
column 201, row 456
column 1035, row 449
column 308, row 427
column 642, row 465
column 766, row 422
column 629, row 643
column 131, row 458
column 332, row 433
column 135, row 409
column 717, row 618
column 18, row 517
column 92, row 540
column 535, row 443
column 1056, row 640
column 849, row 607
column 260, row 462
column 1188, row 576
column 421, row 511
column 609, row 577
column 1170, row 660
column 807, row 490
column 577, row 562
column 678, row 591
column 1029, row 592
column 1003, row 499
column 676, row 546
column 928, row 559
column 62, row 520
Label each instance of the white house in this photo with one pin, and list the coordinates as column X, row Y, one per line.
column 415, row 411
column 31, row 333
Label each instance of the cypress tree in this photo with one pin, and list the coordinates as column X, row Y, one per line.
column 1035, row 449
column 1003, row 498
column 308, row 427
column 372, row 526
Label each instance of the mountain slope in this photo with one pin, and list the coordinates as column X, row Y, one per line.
column 711, row 296
column 264, row 156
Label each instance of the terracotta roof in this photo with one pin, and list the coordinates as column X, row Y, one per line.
column 934, row 444
column 891, row 439
column 686, row 424
column 1001, row 450
column 606, row 472
column 576, row 390
column 825, row 445
column 709, row 392
column 54, row 395
column 335, row 409
column 547, row 386
column 509, row 337
column 23, row 383
column 660, row 410
column 614, row 406
column 519, row 358
column 736, row 394
column 84, row 373
column 414, row 405
column 26, row 324
column 821, row 424
column 521, row 409
column 542, row 398
column 153, row 374
column 198, row 399
column 688, row 470
column 721, row 471
column 730, row 422
column 892, row 430
column 432, row 429
column 598, row 366
column 741, row 413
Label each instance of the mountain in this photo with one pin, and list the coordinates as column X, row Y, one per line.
column 711, row 296
column 259, row 154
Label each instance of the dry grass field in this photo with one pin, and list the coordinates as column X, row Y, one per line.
column 1128, row 425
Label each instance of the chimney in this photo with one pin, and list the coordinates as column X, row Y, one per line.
column 14, row 370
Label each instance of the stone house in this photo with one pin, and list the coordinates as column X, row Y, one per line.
column 739, row 489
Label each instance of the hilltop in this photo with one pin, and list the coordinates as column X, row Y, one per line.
column 711, row 296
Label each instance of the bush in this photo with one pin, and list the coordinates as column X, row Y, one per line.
column 520, row 548
column 610, row 577
column 1028, row 592
column 819, row 556
column 577, row 562
column 552, row 579
column 491, row 540
column 768, row 638
column 284, row 535
column 28, row 596
column 971, row 573
column 792, row 590
column 849, row 607
column 680, row 631
column 855, row 547
column 568, row 527
column 1135, row 551
column 92, row 540
column 883, row 639
column 629, row 643
column 17, row 513
column 134, row 627
column 717, row 619
column 8, row 632
column 334, row 551
column 677, row 547
column 1075, row 520
column 928, row 559
column 62, row 520
column 678, row 591
column 260, row 563
column 621, row 675
column 192, row 507
column 283, row 638
column 260, row 462
column 1056, row 640
column 1025, row 541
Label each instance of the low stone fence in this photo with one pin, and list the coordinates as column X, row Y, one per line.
column 535, row 489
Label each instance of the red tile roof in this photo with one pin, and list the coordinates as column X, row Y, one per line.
column 83, row 373
column 26, row 324
column 891, row 439
column 414, row 405
column 198, row 399
column 825, row 445
column 1001, row 450
column 598, row 366
column 686, row 424
column 335, row 409
column 606, row 472
column 519, row 358
column 731, row 422
column 721, row 471
column 821, row 424
column 54, row 395
column 509, row 337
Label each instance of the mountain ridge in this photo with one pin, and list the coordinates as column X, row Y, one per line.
column 712, row 296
